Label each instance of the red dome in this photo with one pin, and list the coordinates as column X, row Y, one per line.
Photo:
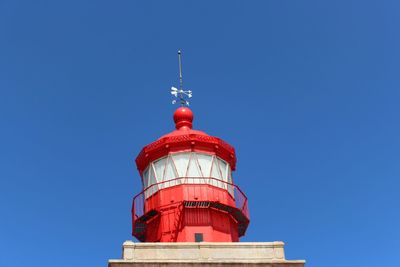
column 183, row 118
column 184, row 138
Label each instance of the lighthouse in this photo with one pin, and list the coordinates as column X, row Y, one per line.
column 188, row 194
column 189, row 210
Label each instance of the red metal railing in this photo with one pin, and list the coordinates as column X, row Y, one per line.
column 208, row 189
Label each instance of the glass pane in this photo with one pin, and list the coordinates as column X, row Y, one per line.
column 215, row 171
column 152, row 176
column 159, row 167
column 229, row 175
column 193, row 169
column 170, row 172
column 145, row 178
column 204, row 161
column 151, row 187
column 181, row 161
column 222, row 167
column 231, row 188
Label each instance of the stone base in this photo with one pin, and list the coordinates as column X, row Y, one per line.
column 268, row 254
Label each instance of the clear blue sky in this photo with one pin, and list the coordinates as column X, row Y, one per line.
column 307, row 92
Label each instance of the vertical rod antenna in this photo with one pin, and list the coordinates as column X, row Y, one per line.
column 180, row 69
column 180, row 78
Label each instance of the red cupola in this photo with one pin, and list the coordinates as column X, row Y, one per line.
column 188, row 192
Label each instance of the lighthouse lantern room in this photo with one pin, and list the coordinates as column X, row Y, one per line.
column 188, row 192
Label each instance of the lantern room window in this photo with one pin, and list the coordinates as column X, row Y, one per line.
column 197, row 168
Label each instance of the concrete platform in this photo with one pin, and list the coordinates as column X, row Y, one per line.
column 268, row 254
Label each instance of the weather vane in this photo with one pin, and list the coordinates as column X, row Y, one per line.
column 181, row 94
